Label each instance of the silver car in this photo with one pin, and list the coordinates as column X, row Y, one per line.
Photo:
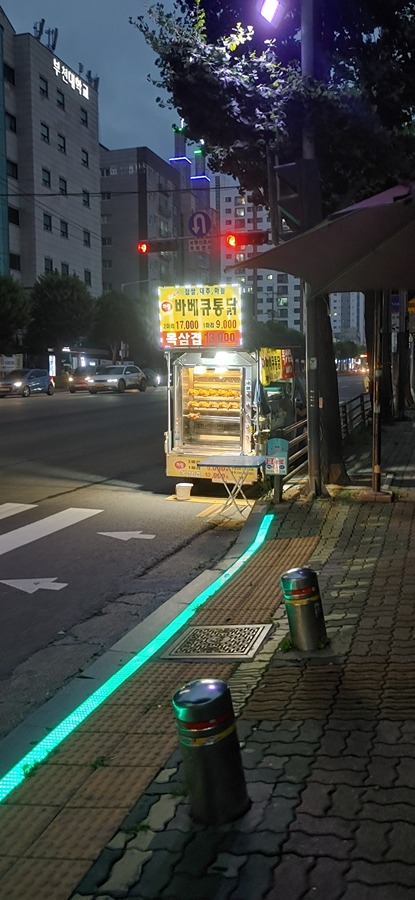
column 25, row 382
column 116, row 378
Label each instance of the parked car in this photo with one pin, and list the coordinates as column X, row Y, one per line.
column 116, row 378
column 78, row 380
column 153, row 378
column 25, row 382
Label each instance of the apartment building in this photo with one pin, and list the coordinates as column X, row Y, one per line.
column 347, row 312
column 50, row 212
column 270, row 295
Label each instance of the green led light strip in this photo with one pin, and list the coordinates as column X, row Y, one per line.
column 18, row 773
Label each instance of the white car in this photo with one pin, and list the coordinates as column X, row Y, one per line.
column 116, row 378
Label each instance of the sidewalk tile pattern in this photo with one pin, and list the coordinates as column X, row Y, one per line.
column 327, row 741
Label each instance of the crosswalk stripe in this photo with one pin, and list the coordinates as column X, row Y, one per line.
column 10, row 509
column 29, row 533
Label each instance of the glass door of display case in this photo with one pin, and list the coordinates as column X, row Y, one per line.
column 213, row 406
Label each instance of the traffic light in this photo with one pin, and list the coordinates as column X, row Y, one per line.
column 299, row 199
column 237, row 239
column 157, row 245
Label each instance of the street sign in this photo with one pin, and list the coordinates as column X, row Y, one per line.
column 200, row 245
column 200, row 223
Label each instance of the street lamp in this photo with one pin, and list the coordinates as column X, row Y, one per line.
column 273, row 11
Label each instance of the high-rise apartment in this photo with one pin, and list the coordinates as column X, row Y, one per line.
column 50, row 208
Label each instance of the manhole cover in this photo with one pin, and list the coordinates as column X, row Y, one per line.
column 219, row 641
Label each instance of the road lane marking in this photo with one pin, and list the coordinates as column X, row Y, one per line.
column 10, row 509
column 29, row 533
column 127, row 535
column 31, row 585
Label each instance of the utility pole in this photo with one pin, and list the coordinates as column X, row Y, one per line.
column 309, row 301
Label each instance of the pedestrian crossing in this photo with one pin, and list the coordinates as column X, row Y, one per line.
column 19, row 537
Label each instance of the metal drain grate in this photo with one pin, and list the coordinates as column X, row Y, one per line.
column 219, row 642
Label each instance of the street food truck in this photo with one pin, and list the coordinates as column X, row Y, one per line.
column 222, row 399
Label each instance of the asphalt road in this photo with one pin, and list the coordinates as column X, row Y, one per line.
column 90, row 542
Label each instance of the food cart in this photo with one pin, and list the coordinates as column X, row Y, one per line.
column 216, row 403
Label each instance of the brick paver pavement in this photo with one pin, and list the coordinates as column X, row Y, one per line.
column 327, row 739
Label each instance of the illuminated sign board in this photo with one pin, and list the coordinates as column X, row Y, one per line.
column 69, row 77
column 205, row 315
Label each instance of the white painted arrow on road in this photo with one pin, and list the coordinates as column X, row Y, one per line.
column 31, row 585
column 127, row 535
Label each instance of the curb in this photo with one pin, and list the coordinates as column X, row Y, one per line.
column 15, row 745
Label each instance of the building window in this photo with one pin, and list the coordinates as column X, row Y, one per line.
column 107, row 263
column 62, row 143
column 87, row 239
column 14, row 215
column 48, row 265
column 60, row 99
column 64, row 269
column 282, row 301
column 11, row 168
column 106, row 196
column 228, row 212
column 14, row 262
column 46, row 177
column 10, row 122
column 8, row 73
column 43, row 86
column 44, row 132
column 63, row 186
column 107, row 241
column 269, row 277
column 239, row 211
column 228, row 199
column 106, row 219
column 105, row 173
column 85, row 198
column 107, row 285
column 84, row 117
column 85, row 158
column 282, row 279
column 47, row 222
column 87, row 277
column 64, row 229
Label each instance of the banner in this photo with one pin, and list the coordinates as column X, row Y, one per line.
column 276, row 365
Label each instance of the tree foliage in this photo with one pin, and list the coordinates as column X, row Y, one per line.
column 15, row 312
column 63, row 311
column 241, row 91
column 117, row 319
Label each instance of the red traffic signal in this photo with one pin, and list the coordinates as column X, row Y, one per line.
column 142, row 247
column 236, row 239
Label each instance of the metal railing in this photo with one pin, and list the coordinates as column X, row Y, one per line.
column 354, row 414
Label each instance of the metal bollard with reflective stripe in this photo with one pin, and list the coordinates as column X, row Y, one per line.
column 211, row 753
column 304, row 610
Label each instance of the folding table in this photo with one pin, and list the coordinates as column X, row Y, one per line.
column 233, row 482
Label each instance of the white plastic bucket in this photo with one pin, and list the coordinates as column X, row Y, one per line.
column 183, row 490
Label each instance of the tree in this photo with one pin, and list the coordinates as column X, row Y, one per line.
column 63, row 312
column 250, row 104
column 117, row 320
column 15, row 312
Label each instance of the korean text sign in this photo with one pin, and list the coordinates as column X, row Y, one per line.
column 207, row 315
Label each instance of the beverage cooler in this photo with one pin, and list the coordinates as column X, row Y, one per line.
column 210, row 410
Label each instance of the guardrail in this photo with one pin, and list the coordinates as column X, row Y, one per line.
column 353, row 414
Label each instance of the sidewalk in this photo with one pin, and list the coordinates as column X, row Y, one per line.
column 328, row 737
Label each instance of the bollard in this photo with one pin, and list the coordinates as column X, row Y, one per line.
column 211, row 753
column 304, row 610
